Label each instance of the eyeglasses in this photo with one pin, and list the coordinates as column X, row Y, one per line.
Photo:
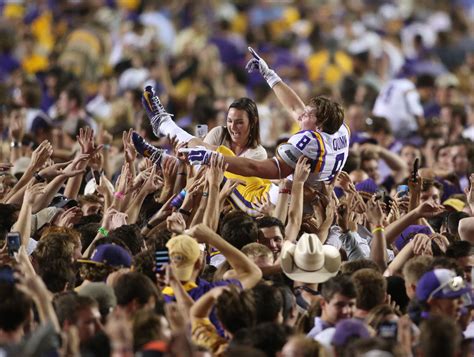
column 455, row 284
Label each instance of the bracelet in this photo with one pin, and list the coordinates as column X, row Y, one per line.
column 285, row 190
column 38, row 177
column 106, row 146
column 378, row 229
column 15, row 144
column 103, row 231
column 181, row 173
column 205, row 194
column 183, row 211
column 119, row 195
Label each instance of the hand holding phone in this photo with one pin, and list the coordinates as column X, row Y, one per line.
column 13, row 243
column 402, row 190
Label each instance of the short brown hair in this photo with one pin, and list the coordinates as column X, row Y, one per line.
column 370, row 287
column 414, row 268
column 329, row 114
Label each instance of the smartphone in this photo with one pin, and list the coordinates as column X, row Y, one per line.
column 380, row 195
column 416, row 166
column 162, row 257
column 13, row 243
column 402, row 190
column 388, row 330
column 201, row 131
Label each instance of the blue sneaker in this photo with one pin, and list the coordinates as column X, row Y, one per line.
column 154, row 109
column 147, row 150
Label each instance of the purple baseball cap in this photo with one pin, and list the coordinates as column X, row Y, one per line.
column 408, row 234
column 441, row 284
column 109, row 254
column 347, row 329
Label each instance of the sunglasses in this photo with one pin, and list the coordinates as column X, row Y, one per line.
column 454, row 284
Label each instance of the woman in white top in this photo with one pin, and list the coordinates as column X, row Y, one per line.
column 242, row 132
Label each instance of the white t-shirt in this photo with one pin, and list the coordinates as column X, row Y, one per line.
column 399, row 102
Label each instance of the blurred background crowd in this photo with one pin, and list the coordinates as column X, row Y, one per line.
column 72, row 73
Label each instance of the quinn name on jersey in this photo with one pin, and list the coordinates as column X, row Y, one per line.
column 328, row 152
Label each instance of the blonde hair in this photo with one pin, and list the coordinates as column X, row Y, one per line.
column 257, row 250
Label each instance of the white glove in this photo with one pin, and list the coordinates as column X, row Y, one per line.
column 257, row 63
column 198, row 155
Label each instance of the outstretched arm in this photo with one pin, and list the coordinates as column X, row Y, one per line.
column 287, row 96
column 268, row 169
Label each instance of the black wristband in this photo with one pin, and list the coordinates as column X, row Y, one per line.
column 183, row 211
column 38, row 177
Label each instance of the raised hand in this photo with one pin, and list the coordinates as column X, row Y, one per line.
column 198, row 155
column 114, row 219
column 33, row 192
column 429, row 209
column 86, row 141
column 128, row 147
column 70, row 217
column 176, row 223
column 229, row 186
column 257, row 63
column 41, row 154
column 16, row 129
column 216, row 169
column 263, row 205
column 153, row 182
column 374, row 212
column 302, row 170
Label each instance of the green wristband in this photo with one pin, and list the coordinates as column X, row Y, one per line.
column 103, row 231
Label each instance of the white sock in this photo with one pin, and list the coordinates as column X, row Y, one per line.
column 169, row 127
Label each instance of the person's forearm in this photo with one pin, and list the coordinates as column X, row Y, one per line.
column 400, row 259
column 289, row 99
column 199, row 215
column 184, row 301
column 281, row 208
column 378, row 249
column 106, row 165
column 203, row 306
column 396, row 164
column 17, row 197
column 46, row 311
column 250, row 167
column 50, row 190
column 394, row 229
column 295, row 212
column 211, row 214
column 249, row 274
column 15, row 153
column 27, row 176
column 73, row 184
column 166, row 193
column 134, row 208
column 88, row 252
column 23, row 224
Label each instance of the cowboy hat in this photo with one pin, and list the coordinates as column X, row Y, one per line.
column 309, row 261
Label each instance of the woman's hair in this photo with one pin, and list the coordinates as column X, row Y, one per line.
column 249, row 106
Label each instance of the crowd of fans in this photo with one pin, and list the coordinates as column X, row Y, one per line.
column 129, row 231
